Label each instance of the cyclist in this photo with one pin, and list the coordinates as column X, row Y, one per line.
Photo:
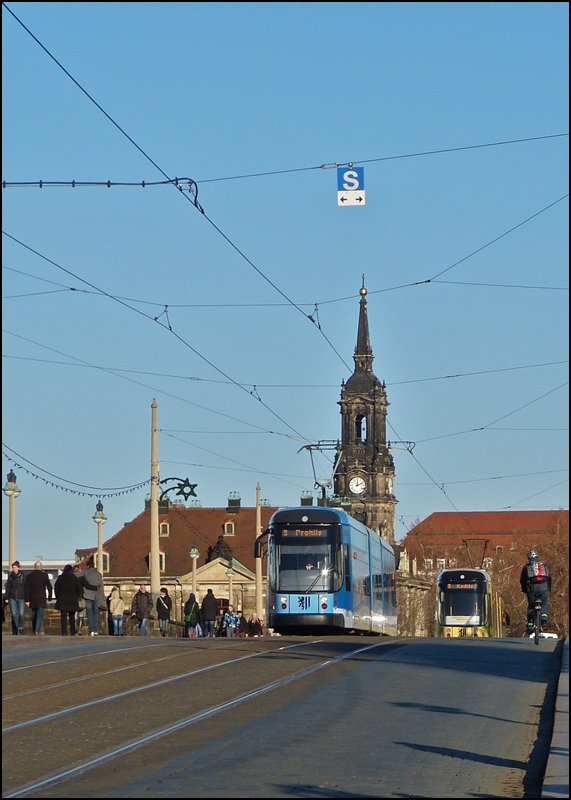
column 535, row 577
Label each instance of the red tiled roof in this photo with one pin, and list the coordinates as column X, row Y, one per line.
column 129, row 547
column 475, row 523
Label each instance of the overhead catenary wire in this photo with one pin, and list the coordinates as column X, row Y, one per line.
column 192, row 199
column 489, row 424
column 167, row 327
column 143, row 184
column 278, row 385
column 340, row 299
column 195, row 202
column 154, row 388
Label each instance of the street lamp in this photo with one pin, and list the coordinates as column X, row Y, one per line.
column 100, row 519
column 11, row 491
column 230, row 574
column 194, row 554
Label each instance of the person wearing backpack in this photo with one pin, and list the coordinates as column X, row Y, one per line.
column 535, row 577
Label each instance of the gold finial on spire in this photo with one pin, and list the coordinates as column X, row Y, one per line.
column 362, row 290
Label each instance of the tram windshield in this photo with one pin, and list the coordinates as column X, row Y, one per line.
column 461, row 604
column 307, row 563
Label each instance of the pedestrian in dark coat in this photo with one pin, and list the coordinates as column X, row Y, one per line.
column 16, row 596
column 141, row 608
column 38, row 592
column 164, row 608
column 209, row 610
column 192, row 616
column 242, row 628
column 68, row 592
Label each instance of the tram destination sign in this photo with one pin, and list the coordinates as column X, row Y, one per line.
column 303, row 532
column 460, row 586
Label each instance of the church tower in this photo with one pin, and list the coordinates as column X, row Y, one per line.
column 366, row 470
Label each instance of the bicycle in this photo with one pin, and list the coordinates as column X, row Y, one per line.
column 537, row 606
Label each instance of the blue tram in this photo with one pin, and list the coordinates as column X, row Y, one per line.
column 328, row 573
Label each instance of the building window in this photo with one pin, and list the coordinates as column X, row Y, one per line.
column 452, row 562
column 162, row 561
column 499, row 549
column 164, row 529
column 105, row 562
column 229, row 529
column 441, row 563
column 488, row 563
column 427, row 563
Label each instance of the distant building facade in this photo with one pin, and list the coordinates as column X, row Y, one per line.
column 224, row 538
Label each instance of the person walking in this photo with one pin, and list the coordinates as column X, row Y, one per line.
column 209, row 608
column 230, row 622
column 535, row 577
column 37, row 586
column 116, row 609
column 192, row 616
column 92, row 596
column 68, row 592
column 141, row 608
column 16, row 595
column 164, row 608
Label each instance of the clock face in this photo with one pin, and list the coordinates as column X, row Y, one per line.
column 357, row 485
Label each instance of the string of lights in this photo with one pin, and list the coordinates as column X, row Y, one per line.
column 193, row 198
column 97, row 492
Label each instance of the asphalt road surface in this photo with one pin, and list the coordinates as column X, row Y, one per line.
column 316, row 717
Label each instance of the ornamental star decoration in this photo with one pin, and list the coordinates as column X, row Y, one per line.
column 184, row 488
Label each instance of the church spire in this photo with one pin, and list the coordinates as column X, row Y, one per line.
column 363, row 353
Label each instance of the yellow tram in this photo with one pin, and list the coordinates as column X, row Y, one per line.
column 467, row 604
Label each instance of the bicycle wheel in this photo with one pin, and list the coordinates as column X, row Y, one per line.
column 537, row 625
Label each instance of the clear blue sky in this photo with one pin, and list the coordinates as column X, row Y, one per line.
column 475, row 362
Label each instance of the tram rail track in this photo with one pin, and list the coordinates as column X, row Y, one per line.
column 139, row 716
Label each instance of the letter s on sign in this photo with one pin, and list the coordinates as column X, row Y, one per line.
column 350, row 180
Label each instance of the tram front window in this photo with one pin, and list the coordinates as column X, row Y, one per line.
column 462, row 606
column 310, row 567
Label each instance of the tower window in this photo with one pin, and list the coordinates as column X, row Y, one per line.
column 229, row 529
column 164, row 529
column 361, row 428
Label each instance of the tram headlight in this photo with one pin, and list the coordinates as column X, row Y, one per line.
column 323, row 602
column 283, row 603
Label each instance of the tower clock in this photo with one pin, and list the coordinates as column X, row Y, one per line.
column 366, row 471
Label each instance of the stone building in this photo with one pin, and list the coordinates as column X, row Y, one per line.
column 365, row 475
column 497, row 541
column 223, row 537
